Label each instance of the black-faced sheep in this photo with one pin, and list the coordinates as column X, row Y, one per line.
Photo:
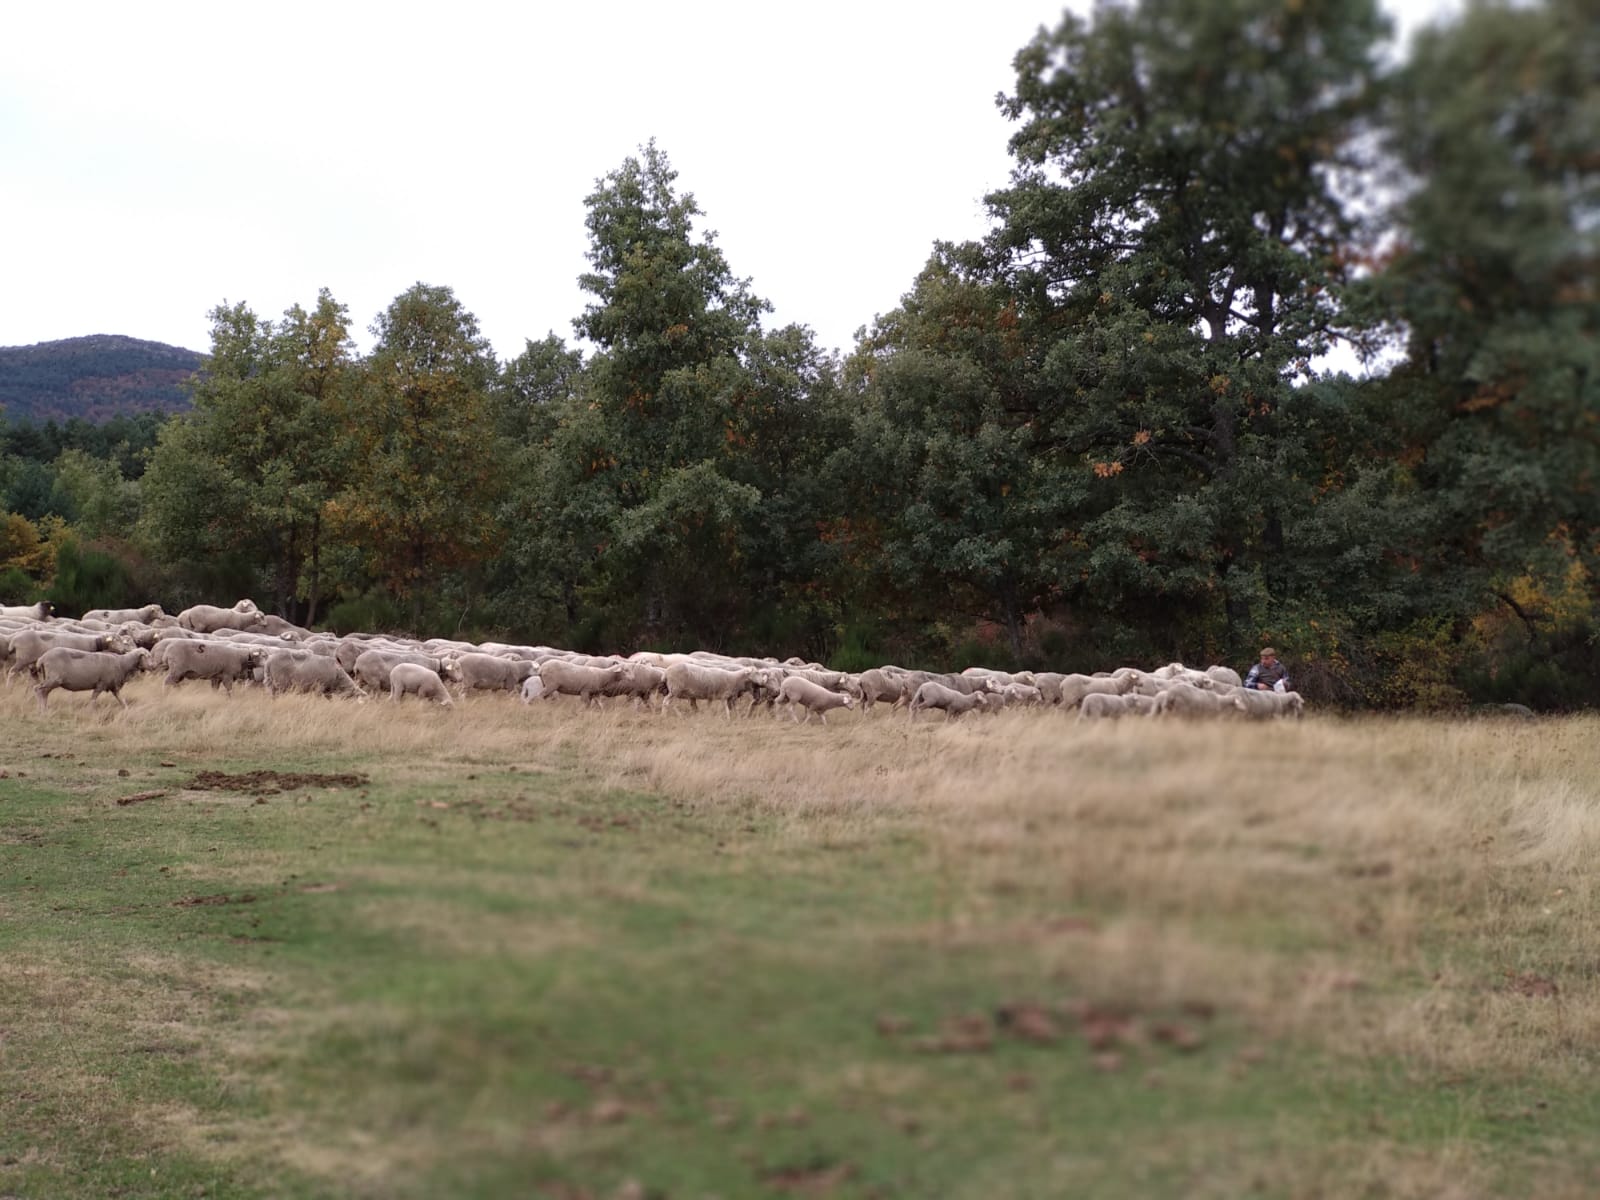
column 28, row 612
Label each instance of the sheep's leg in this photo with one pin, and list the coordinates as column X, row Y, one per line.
column 43, row 693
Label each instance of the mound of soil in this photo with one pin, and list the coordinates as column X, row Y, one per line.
column 269, row 783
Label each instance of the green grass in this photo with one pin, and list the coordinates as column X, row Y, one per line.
column 478, row 976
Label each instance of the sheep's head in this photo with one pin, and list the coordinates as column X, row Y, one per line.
column 1240, row 703
column 246, row 606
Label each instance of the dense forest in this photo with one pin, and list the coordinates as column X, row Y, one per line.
column 1099, row 435
column 93, row 379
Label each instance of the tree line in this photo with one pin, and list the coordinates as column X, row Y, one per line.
column 1099, row 434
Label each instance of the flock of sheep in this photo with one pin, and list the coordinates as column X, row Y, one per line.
column 103, row 649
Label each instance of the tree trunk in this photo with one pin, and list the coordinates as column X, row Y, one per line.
column 316, row 569
column 1235, row 609
column 1013, row 620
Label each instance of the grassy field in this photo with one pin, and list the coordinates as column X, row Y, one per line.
column 554, row 953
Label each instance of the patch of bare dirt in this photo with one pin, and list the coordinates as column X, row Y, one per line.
column 270, row 783
column 140, row 797
column 220, row 898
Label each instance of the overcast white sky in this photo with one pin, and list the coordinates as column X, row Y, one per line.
column 156, row 160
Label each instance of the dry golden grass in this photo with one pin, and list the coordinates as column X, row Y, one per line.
column 1405, row 894
column 1412, row 847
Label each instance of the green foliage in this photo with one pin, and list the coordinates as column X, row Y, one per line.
column 1174, row 240
column 669, row 500
column 93, row 496
column 1095, row 437
column 424, row 465
column 944, row 456
column 244, row 480
column 17, row 586
column 88, row 577
column 1493, row 414
column 372, row 612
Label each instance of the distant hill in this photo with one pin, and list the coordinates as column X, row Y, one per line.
column 95, row 378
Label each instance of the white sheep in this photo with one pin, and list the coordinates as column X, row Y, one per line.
column 486, row 672
column 561, row 678
column 87, row 671
column 372, row 668
column 208, row 618
column 799, row 691
column 218, row 662
column 121, row 616
column 1262, row 706
column 639, row 682
column 1075, row 687
column 885, row 683
column 1103, row 705
column 934, row 694
column 1185, row 700
column 30, row 645
column 415, row 679
column 697, row 681
column 303, row 671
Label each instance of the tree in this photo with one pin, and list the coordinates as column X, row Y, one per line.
column 238, row 487
column 1175, row 240
column 644, row 463
column 942, row 457
column 1494, row 414
column 92, row 494
column 426, row 465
